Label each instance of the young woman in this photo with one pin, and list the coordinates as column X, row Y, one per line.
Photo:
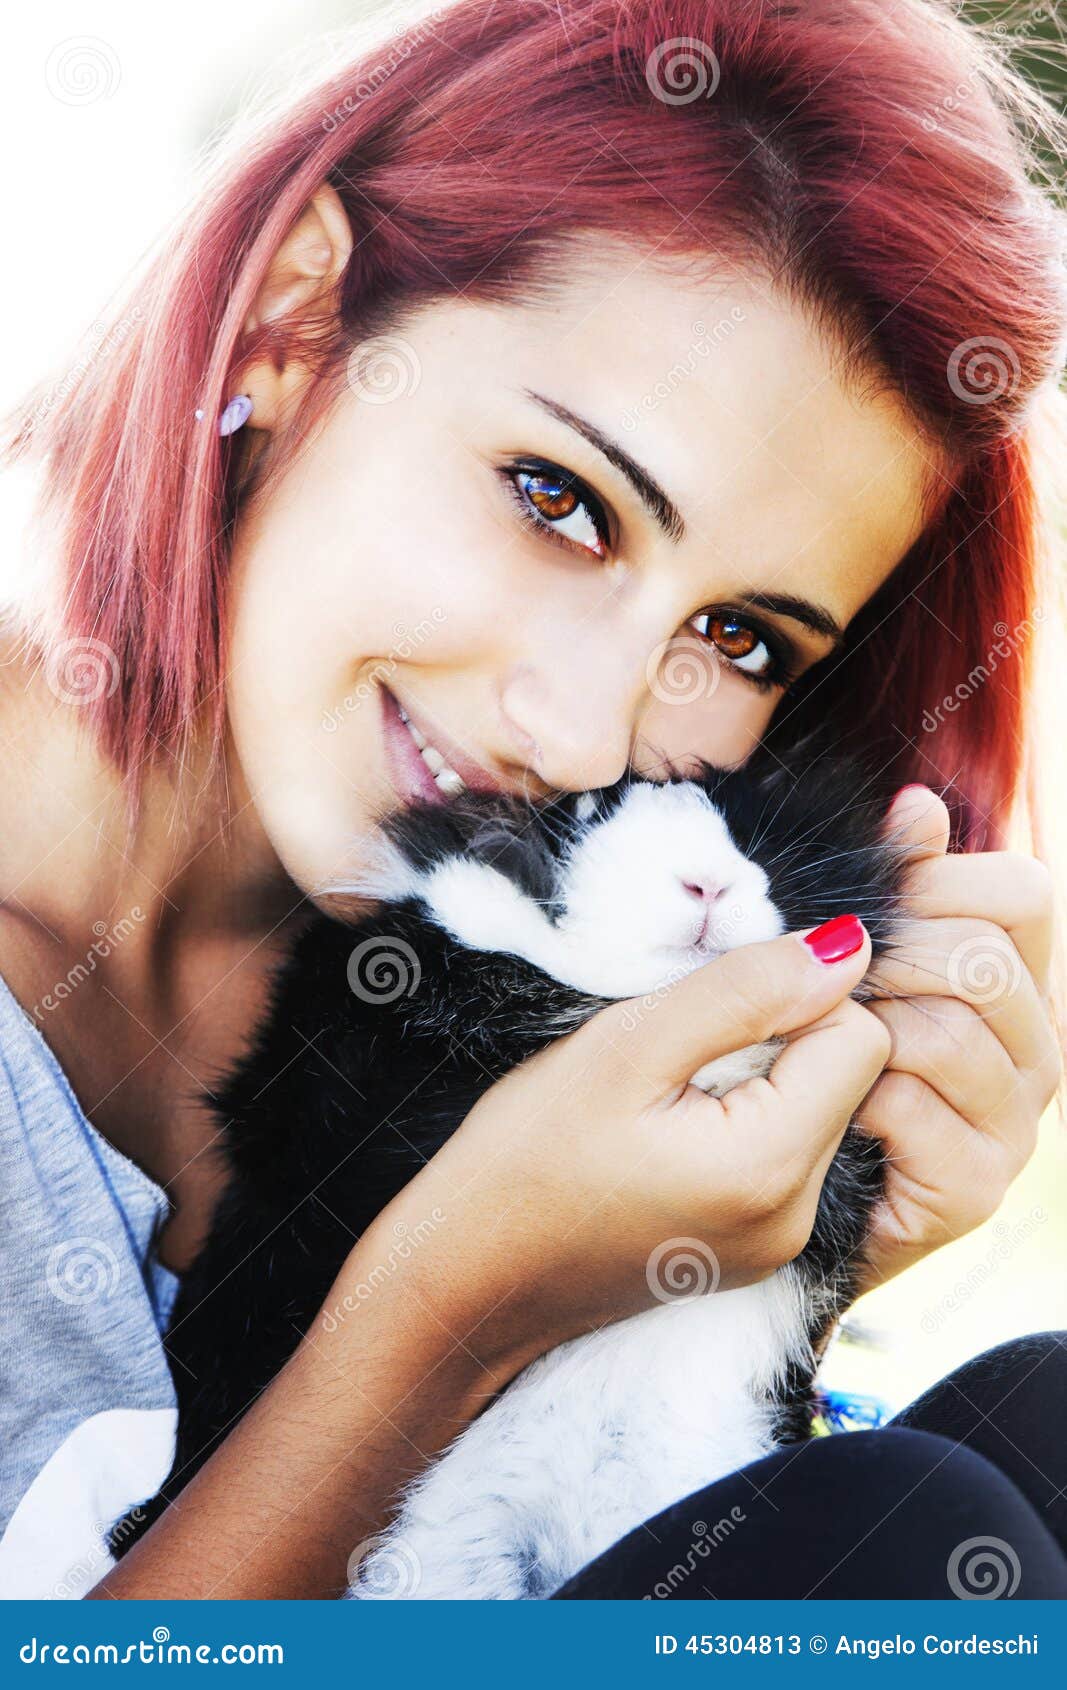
column 487, row 380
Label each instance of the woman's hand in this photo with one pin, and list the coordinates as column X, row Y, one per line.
column 585, row 1184
column 975, row 1060
column 594, row 1178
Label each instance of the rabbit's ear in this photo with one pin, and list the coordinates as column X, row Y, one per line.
column 522, row 855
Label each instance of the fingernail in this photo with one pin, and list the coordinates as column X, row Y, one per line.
column 912, row 786
column 837, row 939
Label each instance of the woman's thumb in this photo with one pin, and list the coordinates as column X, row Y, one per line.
column 741, row 998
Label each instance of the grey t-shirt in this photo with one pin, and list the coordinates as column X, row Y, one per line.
column 87, row 1405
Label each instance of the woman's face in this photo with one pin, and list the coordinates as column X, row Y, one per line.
column 558, row 539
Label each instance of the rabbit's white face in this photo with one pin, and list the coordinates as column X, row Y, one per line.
column 658, row 888
column 645, row 895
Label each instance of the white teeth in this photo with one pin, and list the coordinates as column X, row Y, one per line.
column 445, row 779
column 416, row 734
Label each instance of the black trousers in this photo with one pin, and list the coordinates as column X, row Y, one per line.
column 964, row 1494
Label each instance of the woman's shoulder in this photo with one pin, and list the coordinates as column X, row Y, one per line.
column 87, row 1408
column 36, row 1094
column 62, row 1183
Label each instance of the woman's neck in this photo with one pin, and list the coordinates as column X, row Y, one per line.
column 197, row 864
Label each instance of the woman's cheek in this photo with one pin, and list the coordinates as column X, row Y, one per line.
column 702, row 709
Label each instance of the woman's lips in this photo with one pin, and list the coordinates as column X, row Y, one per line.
column 448, row 771
column 407, row 771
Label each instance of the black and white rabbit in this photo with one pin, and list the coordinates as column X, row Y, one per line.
column 499, row 927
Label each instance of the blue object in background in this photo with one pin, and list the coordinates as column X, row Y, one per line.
column 847, row 1411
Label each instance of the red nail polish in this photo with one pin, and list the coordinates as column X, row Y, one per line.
column 837, row 939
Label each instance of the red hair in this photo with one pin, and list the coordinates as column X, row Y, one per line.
column 870, row 159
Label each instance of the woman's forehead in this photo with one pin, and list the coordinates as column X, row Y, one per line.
column 780, row 462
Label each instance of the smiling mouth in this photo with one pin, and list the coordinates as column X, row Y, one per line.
column 445, row 777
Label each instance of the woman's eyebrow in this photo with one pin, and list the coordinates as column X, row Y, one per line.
column 666, row 513
column 813, row 616
column 663, row 510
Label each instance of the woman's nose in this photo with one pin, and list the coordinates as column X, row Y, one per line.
column 576, row 730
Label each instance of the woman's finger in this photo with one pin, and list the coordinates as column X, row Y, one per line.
column 811, row 1094
column 939, row 1166
column 918, row 821
column 742, row 998
column 946, row 1045
column 1006, row 888
column 978, row 963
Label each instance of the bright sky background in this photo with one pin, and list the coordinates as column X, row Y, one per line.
column 104, row 105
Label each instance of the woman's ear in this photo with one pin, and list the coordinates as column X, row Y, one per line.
column 303, row 276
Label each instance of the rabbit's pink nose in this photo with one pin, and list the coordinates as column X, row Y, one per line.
column 707, row 891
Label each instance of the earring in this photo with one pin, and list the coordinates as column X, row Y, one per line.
column 235, row 414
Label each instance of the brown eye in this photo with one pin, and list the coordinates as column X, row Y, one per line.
column 733, row 638
column 561, row 507
column 552, row 501
column 739, row 643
